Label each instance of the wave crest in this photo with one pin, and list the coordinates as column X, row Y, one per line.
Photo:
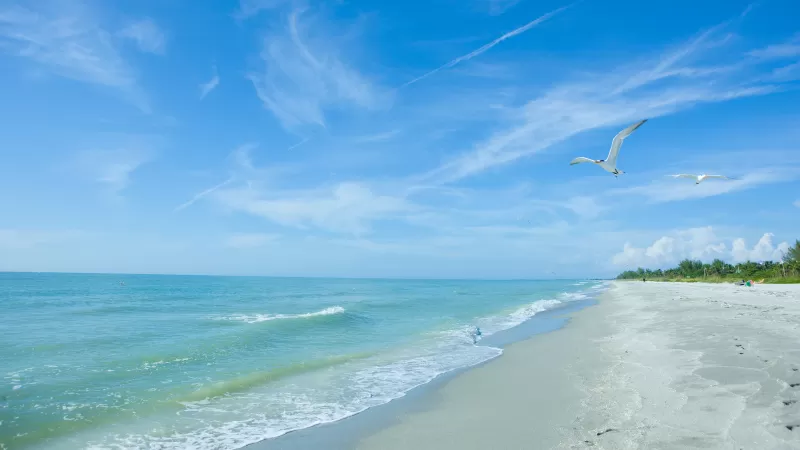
column 256, row 318
column 528, row 311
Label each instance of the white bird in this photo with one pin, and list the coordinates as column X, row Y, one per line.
column 610, row 163
column 699, row 178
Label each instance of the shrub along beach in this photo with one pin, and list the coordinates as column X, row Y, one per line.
column 786, row 271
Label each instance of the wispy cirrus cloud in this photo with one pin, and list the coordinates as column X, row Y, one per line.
column 520, row 116
column 789, row 72
column 670, row 190
column 68, row 39
column 787, row 49
column 113, row 168
column 656, row 187
column 241, row 170
column 378, row 137
column 485, row 48
column 498, row 7
column 147, row 36
column 210, row 85
column 646, row 89
column 305, row 75
column 344, row 208
column 249, row 8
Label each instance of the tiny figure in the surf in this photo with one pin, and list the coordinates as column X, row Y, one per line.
column 476, row 334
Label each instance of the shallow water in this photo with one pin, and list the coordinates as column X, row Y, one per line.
column 219, row 362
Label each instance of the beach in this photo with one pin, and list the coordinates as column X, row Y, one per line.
column 380, row 364
column 652, row 365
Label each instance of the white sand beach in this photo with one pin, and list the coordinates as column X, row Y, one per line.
column 653, row 366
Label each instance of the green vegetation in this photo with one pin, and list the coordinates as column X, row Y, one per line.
column 719, row 271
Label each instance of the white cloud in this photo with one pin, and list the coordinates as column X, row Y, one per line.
column 69, row 41
column 249, row 240
column 344, row 208
column 660, row 86
column 304, row 76
column 210, row 85
column 670, row 190
column 797, row 203
column 696, row 244
column 112, row 168
column 762, row 251
column 146, row 35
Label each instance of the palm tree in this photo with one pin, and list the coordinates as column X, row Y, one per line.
column 793, row 254
column 718, row 267
column 686, row 267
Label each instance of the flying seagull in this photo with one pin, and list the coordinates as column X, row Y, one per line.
column 699, row 178
column 610, row 163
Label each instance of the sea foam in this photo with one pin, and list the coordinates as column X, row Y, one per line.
column 256, row 318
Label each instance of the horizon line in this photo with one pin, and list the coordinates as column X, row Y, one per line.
column 136, row 274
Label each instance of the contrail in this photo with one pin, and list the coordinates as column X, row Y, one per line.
column 298, row 144
column 488, row 46
column 203, row 194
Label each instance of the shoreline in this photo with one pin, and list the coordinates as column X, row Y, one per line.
column 653, row 365
column 347, row 432
column 514, row 401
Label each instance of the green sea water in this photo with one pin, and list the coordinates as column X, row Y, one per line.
column 137, row 361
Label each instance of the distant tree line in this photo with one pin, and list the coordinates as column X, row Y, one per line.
column 788, row 270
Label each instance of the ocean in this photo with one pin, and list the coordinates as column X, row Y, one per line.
column 196, row 362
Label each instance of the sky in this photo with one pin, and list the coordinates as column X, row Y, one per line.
column 395, row 139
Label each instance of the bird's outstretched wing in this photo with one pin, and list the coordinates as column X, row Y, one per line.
column 580, row 159
column 616, row 143
column 721, row 177
column 684, row 175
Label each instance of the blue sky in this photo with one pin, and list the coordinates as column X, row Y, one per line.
column 399, row 139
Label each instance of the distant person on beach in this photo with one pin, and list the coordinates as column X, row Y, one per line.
column 475, row 335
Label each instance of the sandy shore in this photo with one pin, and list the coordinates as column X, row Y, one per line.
column 653, row 366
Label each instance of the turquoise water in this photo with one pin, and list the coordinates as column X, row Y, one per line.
column 124, row 361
